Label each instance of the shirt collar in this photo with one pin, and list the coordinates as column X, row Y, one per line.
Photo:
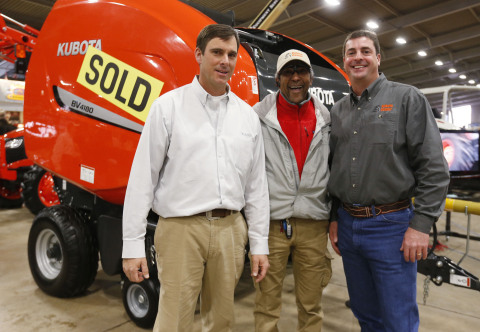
column 372, row 90
column 203, row 95
column 287, row 108
column 296, row 105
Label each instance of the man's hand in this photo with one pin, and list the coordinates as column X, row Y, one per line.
column 260, row 266
column 136, row 269
column 415, row 245
column 333, row 234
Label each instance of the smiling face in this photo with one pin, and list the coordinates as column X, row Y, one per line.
column 361, row 63
column 294, row 80
column 217, row 64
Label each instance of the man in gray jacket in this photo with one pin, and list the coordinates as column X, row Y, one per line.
column 296, row 129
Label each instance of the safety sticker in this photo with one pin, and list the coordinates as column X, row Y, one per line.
column 254, row 84
column 121, row 84
column 87, row 174
column 460, row 280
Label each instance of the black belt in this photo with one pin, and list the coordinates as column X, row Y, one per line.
column 362, row 211
column 217, row 213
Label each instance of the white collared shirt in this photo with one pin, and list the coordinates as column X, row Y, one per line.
column 185, row 164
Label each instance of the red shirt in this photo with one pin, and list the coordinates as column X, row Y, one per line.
column 298, row 123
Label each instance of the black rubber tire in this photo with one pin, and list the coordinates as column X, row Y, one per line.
column 141, row 301
column 31, row 191
column 62, row 252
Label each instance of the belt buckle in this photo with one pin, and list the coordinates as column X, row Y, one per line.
column 209, row 215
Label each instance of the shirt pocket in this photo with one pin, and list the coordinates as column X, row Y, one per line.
column 380, row 126
column 243, row 152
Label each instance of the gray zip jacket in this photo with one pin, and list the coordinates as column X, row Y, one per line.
column 290, row 196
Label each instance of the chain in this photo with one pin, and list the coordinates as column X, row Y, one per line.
column 425, row 289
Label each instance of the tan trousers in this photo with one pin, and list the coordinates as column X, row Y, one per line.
column 195, row 256
column 312, row 271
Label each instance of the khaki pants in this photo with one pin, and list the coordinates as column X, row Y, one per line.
column 195, row 256
column 311, row 271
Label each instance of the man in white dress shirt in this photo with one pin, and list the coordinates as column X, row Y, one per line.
column 199, row 161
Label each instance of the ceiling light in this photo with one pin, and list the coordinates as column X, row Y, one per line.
column 401, row 40
column 462, row 77
column 332, row 2
column 422, row 53
column 439, row 63
column 471, row 81
column 372, row 24
column 452, row 70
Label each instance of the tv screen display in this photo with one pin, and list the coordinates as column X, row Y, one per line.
column 460, row 148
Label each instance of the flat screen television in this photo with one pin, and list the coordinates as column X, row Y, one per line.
column 461, row 150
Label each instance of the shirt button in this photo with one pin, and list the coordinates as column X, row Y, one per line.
column 354, row 132
column 359, row 108
column 354, row 158
column 354, row 185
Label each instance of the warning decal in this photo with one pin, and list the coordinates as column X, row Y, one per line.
column 460, row 280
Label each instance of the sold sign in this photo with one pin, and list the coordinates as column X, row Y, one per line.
column 123, row 85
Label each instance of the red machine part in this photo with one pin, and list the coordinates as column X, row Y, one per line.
column 14, row 43
column 46, row 189
column 8, row 170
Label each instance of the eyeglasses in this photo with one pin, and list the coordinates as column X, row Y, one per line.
column 289, row 71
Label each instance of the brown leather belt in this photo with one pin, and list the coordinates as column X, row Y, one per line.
column 362, row 211
column 217, row 213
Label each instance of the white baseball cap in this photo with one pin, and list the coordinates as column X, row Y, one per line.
column 291, row 55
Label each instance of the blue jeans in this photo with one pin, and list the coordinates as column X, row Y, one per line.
column 381, row 285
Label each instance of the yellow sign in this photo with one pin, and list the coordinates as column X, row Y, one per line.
column 123, row 85
column 16, row 93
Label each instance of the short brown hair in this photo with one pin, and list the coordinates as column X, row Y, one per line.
column 222, row 31
column 363, row 33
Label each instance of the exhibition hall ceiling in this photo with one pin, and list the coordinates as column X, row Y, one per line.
column 448, row 31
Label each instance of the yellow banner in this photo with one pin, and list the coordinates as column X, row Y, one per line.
column 123, row 85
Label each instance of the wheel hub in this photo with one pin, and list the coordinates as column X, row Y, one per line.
column 48, row 254
column 137, row 300
column 54, row 252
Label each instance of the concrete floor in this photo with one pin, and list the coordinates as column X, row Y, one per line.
column 24, row 307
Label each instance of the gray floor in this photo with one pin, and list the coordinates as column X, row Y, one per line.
column 23, row 307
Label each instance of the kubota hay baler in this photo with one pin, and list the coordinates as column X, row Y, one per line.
column 96, row 68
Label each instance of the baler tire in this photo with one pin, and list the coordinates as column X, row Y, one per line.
column 141, row 301
column 38, row 190
column 62, row 252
